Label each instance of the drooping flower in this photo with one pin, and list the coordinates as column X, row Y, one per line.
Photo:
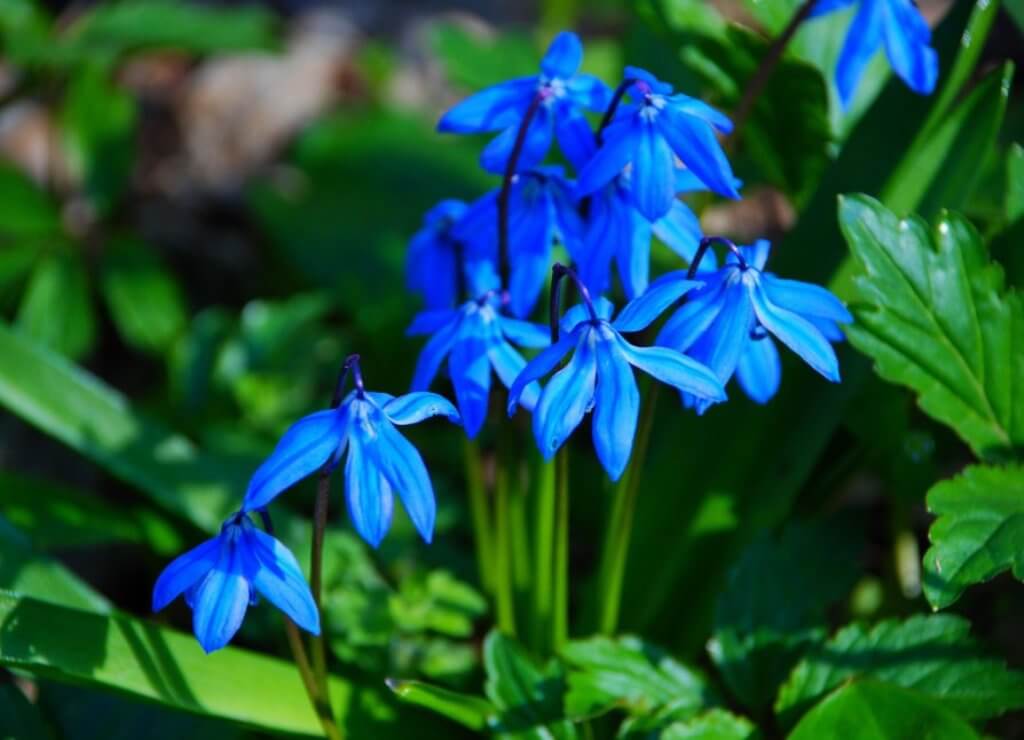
column 475, row 338
column 542, row 212
column 616, row 232
column 896, row 24
column 599, row 377
column 725, row 324
column 560, row 93
column 433, row 261
column 381, row 462
column 223, row 576
column 650, row 134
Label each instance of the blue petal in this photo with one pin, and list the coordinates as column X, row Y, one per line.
column 575, row 136
column 508, row 364
column 759, row 371
column 531, row 236
column 470, row 371
column 756, row 254
column 220, row 601
column 185, row 571
column 699, row 109
column 579, row 313
column 413, row 408
column 524, row 333
column 538, row 367
column 621, row 139
column 367, row 494
column 653, row 174
column 656, row 85
column 828, row 328
column 796, row 333
column 428, row 322
column 805, row 299
column 609, row 226
column 662, row 293
column 566, row 398
column 634, row 257
column 493, row 108
column 430, row 269
column 563, row 57
column 304, row 449
column 616, row 408
column 675, row 369
column 862, row 41
column 721, row 345
column 702, row 307
column 588, row 91
column 680, row 231
column 824, row 7
column 906, row 44
column 405, row 472
column 278, row 577
column 478, row 229
column 481, row 276
column 432, row 355
column 694, row 141
column 495, row 155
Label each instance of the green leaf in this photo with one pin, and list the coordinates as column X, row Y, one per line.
column 116, row 652
column 772, row 608
column 475, row 62
column 97, row 124
column 131, row 25
column 56, row 309
column 933, row 655
column 25, row 210
column 1014, row 207
column 630, row 674
column 19, row 719
column 939, row 321
column 473, row 712
column 871, row 710
column 717, row 724
column 978, row 532
column 529, row 699
column 24, row 32
column 144, row 299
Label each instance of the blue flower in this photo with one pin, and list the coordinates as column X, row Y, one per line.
column 897, row 24
column 599, row 377
column 380, row 462
column 475, row 338
column 222, row 577
column 432, row 263
column 561, row 95
column 542, row 212
column 726, row 323
column 650, row 134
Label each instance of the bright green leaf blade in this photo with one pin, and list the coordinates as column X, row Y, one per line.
column 871, row 710
column 939, row 321
column 473, row 712
column 19, row 719
column 144, row 300
column 57, row 309
column 529, row 699
column 934, row 655
column 717, row 724
column 119, row 653
column 772, row 608
column 25, row 210
column 978, row 533
column 1014, row 207
column 627, row 673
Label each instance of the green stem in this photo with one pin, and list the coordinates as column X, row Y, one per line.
column 620, row 525
column 560, row 621
column 504, row 596
column 319, row 652
column 481, row 514
column 544, row 552
column 320, row 702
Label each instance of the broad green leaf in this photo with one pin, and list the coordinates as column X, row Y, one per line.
column 1014, row 207
column 57, row 309
column 978, row 532
column 97, row 124
column 475, row 62
column 473, row 712
column 116, row 652
column 24, row 32
column 772, row 608
column 872, row 710
column 717, row 724
column 19, row 719
column 144, row 300
column 938, row 320
column 25, row 210
column 529, row 699
column 627, row 673
column 933, row 655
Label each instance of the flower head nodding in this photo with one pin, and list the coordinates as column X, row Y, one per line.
column 433, row 261
column 381, row 462
column 728, row 323
column 560, row 95
column 599, row 377
column 650, row 134
column 475, row 338
column 896, row 24
column 223, row 576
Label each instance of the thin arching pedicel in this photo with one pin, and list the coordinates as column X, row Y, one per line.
column 558, row 271
column 351, row 363
column 705, row 244
column 613, row 106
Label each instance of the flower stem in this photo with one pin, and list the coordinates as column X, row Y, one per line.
column 620, row 525
column 560, row 621
column 613, row 106
column 323, row 490
column 320, row 701
column 544, row 529
column 505, row 195
column 481, row 515
column 505, row 595
column 765, row 69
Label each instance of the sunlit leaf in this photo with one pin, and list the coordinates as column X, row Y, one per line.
column 472, row 711
column 717, row 724
column 56, row 308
